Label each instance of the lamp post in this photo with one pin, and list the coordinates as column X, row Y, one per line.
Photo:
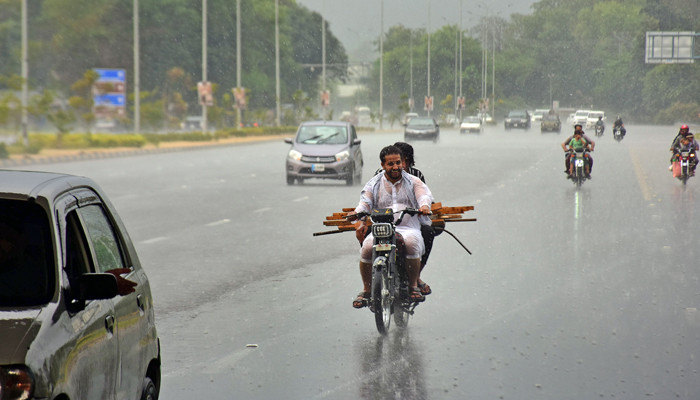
column 238, row 58
column 204, row 61
column 429, row 111
column 381, row 66
column 137, row 69
column 277, row 62
column 25, row 74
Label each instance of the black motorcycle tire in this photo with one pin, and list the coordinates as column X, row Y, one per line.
column 382, row 298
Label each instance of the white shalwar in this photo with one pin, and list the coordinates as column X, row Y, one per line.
column 407, row 192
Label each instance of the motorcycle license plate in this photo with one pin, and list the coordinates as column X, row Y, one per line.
column 318, row 167
column 382, row 247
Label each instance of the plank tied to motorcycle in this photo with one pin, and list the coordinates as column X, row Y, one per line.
column 439, row 217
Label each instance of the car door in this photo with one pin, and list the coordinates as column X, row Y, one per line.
column 134, row 299
column 355, row 149
column 88, row 370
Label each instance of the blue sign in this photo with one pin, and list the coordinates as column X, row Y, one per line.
column 111, row 75
column 115, row 100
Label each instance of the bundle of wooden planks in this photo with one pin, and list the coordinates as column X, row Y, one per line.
column 440, row 215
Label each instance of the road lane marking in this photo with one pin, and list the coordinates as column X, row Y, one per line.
column 260, row 210
column 154, row 240
column 641, row 177
column 220, row 222
column 301, row 199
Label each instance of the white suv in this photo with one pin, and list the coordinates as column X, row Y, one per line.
column 593, row 118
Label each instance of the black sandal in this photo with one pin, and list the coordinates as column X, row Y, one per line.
column 361, row 300
column 416, row 295
column 424, row 288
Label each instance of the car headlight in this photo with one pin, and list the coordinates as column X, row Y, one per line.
column 343, row 155
column 16, row 382
column 294, row 155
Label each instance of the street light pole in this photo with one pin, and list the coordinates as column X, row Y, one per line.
column 238, row 58
column 460, row 55
column 429, row 111
column 277, row 61
column 381, row 66
column 204, row 61
column 137, row 68
column 25, row 75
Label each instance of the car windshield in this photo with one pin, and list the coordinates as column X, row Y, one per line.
column 472, row 119
column 595, row 115
column 322, row 134
column 551, row 117
column 26, row 255
column 517, row 114
column 582, row 114
column 421, row 122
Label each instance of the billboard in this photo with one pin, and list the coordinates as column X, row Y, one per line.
column 109, row 93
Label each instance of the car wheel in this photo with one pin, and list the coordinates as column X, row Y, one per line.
column 290, row 180
column 149, row 390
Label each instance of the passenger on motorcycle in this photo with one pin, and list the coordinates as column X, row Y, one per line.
column 688, row 143
column 578, row 128
column 578, row 142
column 427, row 230
column 395, row 189
column 619, row 125
column 682, row 132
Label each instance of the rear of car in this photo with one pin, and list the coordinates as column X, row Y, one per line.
column 422, row 128
column 76, row 312
column 517, row 119
column 325, row 150
column 550, row 123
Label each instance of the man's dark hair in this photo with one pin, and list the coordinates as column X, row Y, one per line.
column 389, row 150
column 407, row 151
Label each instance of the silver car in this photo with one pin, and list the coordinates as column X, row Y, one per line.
column 76, row 313
column 325, row 150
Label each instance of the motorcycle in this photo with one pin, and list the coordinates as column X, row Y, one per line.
column 617, row 134
column 599, row 129
column 683, row 161
column 389, row 295
column 579, row 161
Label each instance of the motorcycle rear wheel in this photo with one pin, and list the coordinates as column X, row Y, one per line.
column 382, row 299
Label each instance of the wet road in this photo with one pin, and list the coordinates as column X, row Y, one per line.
column 570, row 294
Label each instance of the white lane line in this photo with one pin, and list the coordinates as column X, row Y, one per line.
column 301, row 198
column 220, row 222
column 260, row 210
column 154, row 240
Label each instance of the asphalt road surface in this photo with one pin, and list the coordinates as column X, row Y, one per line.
column 569, row 294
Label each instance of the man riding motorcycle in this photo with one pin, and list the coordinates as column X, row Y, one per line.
column 578, row 128
column 688, row 143
column 619, row 125
column 600, row 125
column 682, row 133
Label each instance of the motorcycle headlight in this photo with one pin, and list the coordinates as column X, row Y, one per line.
column 343, row 155
column 294, row 155
column 16, row 382
column 381, row 230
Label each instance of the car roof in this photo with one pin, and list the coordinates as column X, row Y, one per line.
column 32, row 184
column 329, row 123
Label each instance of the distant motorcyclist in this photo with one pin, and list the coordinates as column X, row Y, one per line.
column 576, row 143
column 600, row 125
column 682, row 133
column 619, row 125
column 578, row 128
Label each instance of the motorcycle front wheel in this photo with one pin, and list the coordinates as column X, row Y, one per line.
column 382, row 299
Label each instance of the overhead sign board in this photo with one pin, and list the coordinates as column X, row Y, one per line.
column 671, row 48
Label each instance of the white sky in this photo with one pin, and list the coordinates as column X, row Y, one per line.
column 357, row 23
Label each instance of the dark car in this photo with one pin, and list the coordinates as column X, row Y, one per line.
column 76, row 312
column 424, row 128
column 550, row 123
column 517, row 119
column 326, row 150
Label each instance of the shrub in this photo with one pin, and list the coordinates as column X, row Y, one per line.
column 3, row 151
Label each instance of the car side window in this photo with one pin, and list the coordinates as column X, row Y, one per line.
column 101, row 235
